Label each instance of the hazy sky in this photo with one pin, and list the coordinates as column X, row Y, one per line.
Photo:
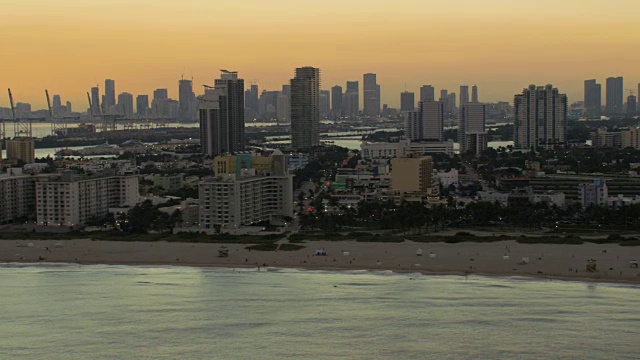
column 67, row 46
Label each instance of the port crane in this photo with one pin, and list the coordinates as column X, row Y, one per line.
column 58, row 123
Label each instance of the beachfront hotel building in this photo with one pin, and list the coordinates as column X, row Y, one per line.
column 17, row 196
column 412, row 175
column 70, row 200
column 240, row 197
column 222, row 115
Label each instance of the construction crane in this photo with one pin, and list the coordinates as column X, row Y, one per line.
column 20, row 128
column 109, row 122
column 3, row 131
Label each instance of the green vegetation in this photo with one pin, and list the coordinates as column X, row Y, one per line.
column 550, row 240
column 630, row 243
column 122, row 236
column 263, row 247
column 290, row 247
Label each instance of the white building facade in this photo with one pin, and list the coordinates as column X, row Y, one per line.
column 70, row 200
column 230, row 201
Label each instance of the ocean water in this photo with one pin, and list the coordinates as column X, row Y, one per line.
column 126, row 312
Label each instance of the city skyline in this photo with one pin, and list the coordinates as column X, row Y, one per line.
column 479, row 50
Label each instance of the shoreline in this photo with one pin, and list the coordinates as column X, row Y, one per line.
column 530, row 277
column 547, row 262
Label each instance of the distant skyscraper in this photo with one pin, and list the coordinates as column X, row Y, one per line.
column 336, row 101
column 432, row 120
column 474, row 94
column 427, row 123
column 472, row 136
column 222, row 116
column 427, row 93
column 109, row 95
column 450, row 105
column 592, row 98
column 160, row 94
column 125, row 104
column 632, row 106
column 464, row 94
column 371, row 95
column 187, row 109
column 305, row 108
column 57, row 103
column 615, row 94
column 69, row 109
column 540, row 117
column 353, row 87
column 407, row 101
column 351, row 100
column 284, row 108
column 251, row 100
column 142, row 105
column 268, row 105
column 444, row 94
column 325, row 103
column 286, row 90
column 95, row 101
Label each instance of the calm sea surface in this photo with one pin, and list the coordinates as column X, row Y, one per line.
column 122, row 312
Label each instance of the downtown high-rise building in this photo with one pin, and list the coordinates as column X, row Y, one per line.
column 632, row 104
column 474, row 94
column 540, row 117
column 351, row 100
column 160, row 94
column 187, row 105
column 251, row 102
column 407, row 101
column 268, row 105
column 444, row 94
column 109, row 95
column 427, row 93
column 56, row 103
column 450, row 106
column 371, row 93
column 336, row 101
column 222, row 115
column 464, row 94
column 286, row 89
column 472, row 135
column 615, row 95
column 142, row 105
column 305, row 108
column 283, row 111
column 125, row 104
column 325, row 104
column 95, row 101
column 592, row 98
column 427, row 123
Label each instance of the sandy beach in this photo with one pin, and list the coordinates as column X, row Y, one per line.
column 499, row 258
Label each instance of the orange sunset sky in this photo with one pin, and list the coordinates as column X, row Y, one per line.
column 67, row 46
